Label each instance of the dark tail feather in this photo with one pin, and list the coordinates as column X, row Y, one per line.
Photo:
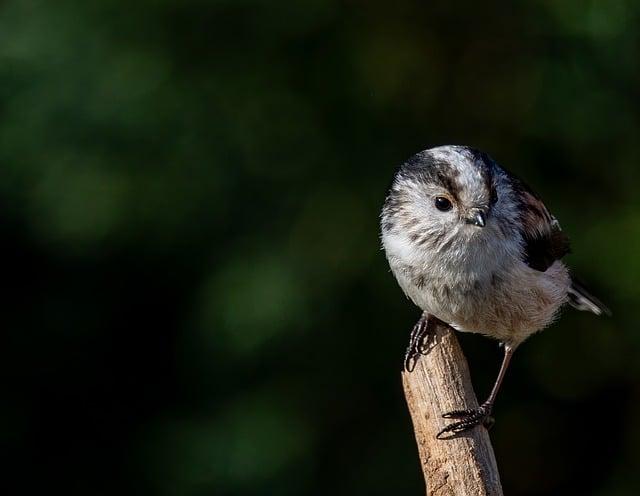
column 581, row 299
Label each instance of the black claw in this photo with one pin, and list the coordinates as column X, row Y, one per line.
column 458, row 414
column 410, row 362
column 418, row 343
column 470, row 419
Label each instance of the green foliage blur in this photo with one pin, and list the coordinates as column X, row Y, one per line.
column 195, row 298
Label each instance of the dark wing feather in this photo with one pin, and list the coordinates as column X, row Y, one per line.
column 544, row 241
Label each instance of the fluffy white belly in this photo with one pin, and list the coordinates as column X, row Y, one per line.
column 508, row 305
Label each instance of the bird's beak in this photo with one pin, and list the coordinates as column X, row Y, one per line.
column 477, row 217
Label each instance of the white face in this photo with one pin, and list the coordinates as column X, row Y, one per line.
column 450, row 206
column 431, row 207
column 457, row 202
column 449, row 197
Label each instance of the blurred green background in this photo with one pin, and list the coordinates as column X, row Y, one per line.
column 196, row 301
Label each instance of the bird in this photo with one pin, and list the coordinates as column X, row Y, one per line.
column 475, row 248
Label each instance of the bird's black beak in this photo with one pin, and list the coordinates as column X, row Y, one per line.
column 477, row 217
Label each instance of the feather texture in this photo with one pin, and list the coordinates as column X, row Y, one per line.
column 544, row 241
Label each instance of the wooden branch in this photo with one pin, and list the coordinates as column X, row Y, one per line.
column 461, row 465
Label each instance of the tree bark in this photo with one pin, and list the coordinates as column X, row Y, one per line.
column 463, row 464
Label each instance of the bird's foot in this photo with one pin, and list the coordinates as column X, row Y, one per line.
column 418, row 343
column 470, row 419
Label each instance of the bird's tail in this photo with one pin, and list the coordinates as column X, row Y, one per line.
column 581, row 299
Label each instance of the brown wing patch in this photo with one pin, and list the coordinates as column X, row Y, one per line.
column 534, row 217
column 543, row 238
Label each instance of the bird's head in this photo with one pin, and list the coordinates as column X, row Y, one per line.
column 443, row 195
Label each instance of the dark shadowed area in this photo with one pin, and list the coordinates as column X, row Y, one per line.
column 195, row 298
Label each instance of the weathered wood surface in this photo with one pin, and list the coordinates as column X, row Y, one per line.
column 462, row 464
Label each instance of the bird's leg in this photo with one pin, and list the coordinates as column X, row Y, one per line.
column 418, row 342
column 482, row 414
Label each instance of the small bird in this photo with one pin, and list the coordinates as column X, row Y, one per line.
column 475, row 248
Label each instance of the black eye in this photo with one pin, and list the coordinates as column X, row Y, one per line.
column 443, row 204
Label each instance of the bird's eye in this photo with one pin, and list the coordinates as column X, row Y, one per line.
column 443, row 204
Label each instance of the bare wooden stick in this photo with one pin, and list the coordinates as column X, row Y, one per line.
column 461, row 465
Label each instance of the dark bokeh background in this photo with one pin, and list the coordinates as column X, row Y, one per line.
column 195, row 298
